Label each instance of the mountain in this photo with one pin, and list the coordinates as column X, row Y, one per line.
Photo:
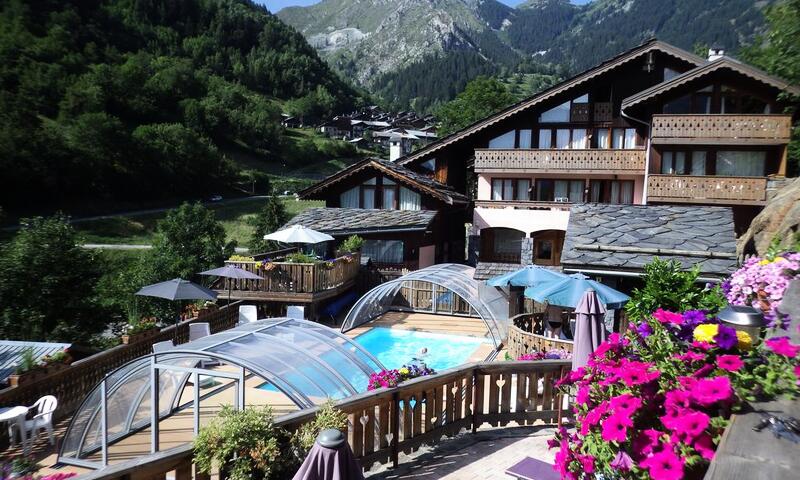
column 419, row 52
column 138, row 99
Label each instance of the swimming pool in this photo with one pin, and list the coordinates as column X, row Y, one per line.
column 394, row 347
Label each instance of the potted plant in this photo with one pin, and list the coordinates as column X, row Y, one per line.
column 351, row 244
column 56, row 362
column 327, row 417
column 140, row 330
column 207, row 308
column 27, row 371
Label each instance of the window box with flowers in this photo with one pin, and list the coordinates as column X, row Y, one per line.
column 140, row 331
column 56, row 362
column 27, row 371
column 393, row 377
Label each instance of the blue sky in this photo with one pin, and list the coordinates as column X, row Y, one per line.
column 275, row 5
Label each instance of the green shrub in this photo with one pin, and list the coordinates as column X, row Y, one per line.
column 667, row 285
column 140, row 326
column 300, row 257
column 27, row 361
column 305, row 436
column 351, row 244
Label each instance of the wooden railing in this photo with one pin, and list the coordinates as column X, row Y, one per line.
column 285, row 277
column 573, row 161
column 722, row 128
column 525, row 336
column 523, row 204
column 385, row 422
column 71, row 385
column 707, row 189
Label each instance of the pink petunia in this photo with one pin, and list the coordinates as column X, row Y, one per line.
column 731, row 363
column 704, row 446
column 645, row 443
column 782, row 346
column 582, row 397
column 622, row 462
column 703, row 371
column 797, row 373
column 711, row 390
column 587, row 463
column 637, row 373
column 664, row 316
column 677, row 400
column 664, row 465
column 615, row 428
column 690, row 424
column 627, row 404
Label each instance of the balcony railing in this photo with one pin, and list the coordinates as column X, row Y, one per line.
column 525, row 336
column 295, row 278
column 707, row 189
column 721, row 129
column 560, row 161
column 523, row 204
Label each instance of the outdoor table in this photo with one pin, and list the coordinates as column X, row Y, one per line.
column 15, row 414
column 531, row 469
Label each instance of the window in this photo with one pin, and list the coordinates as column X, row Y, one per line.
column 579, row 139
column 741, row 164
column 702, row 100
column 510, row 188
column 544, row 249
column 669, row 74
column 611, row 191
column 673, row 163
column 698, row 163
column 556, row 115
column 383, row 251
column 602, row 138
column 507, row 241
column 562, row 138
column 429, row 165
column 545, row 135
column 525, row 139
column 389, row 198
column 505, row 140
column 623, row 138
column 548, row 190
column 368, row 196
column 349, row 199
column 409, row 199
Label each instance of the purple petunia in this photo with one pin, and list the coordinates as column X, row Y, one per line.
column 726, row 338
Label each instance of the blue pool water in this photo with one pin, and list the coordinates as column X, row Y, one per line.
column 394, row 348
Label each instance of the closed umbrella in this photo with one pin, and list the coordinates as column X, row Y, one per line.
column 528, row 276
column 177, row 289
column 590, row 330
column 230, row 271
column 330, row 459
column 568, row 291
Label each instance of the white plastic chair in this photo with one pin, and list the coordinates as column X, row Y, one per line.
column 43, row 419
column 199, row 330
column 247, row 314
column 163, row 346
column 296, row 311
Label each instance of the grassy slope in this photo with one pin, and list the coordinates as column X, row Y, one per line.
column 139, row 229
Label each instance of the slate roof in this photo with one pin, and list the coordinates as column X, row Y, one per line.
column 487, row 270
column 399, row 173
column 11, row 353
column 627, row 237
column 356, row 221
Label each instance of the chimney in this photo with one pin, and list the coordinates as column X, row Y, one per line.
column 715, row 52
column 395, row 147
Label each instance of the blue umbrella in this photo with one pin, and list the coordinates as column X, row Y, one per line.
column 529, row 276
column 568, row 291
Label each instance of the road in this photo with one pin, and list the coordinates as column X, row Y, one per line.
column 130, row 246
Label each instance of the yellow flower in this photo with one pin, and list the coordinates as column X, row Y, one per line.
column 745, row 342
column 764, row 262
column 403, row 371
column 706, row 332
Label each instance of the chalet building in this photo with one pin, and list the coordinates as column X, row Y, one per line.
column 408, row 220
column 655, row 125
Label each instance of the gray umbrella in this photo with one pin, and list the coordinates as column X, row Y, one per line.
column 229, row 271
column 590, row 331
column 330, row 459
column 177, row 289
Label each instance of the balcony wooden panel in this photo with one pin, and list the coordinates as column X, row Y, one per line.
column 707, row 189
column 523, row 204
column 560, row 161
column 722, row 129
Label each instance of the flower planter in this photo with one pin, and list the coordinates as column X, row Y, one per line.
column 17, row 380
column 55, row 367
column 140, row 336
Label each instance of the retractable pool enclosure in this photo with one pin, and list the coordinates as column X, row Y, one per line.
column 305, row 361
column 446, row 288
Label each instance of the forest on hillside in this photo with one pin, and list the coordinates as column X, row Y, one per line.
column 122, row 99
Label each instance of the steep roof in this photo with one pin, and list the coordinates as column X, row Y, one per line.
column 722, row 63
column 397, row 172
column 627, row 237
column 617, row 61
column 359, row 221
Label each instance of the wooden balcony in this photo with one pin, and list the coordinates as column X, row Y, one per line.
column 298, row 282
column 707, row 189
column 523, row 204
column 721, row 129
column 603, row 161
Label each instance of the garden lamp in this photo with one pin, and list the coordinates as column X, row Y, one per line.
column 744, row 318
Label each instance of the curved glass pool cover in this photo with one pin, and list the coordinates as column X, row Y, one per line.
column 305, row 361
column 490, row 304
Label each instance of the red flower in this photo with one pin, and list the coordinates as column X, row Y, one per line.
column 711, row 390
column 730, row 363
column 782, row 346
column 615, row 428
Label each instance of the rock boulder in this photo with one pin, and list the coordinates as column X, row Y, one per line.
column 780, row 218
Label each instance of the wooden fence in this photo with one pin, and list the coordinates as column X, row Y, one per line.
column 383, row 423
column 71, row 385
column 286, row 277
column 524, row 336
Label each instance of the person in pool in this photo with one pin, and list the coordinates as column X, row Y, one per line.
column 419, row 359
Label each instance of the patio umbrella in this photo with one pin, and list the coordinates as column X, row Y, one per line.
column 177, row 289
column 298, row 234
column 330, row 459
column 528, row 276
column 229, row 271
column 590, row 331
column 567, row 292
